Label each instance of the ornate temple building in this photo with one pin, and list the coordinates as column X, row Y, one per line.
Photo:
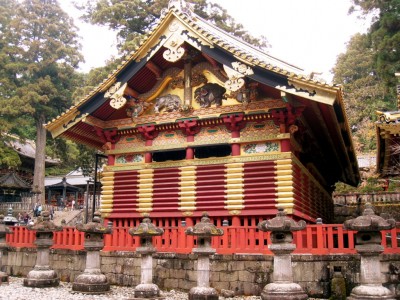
column 197, row 120
column 388, row 141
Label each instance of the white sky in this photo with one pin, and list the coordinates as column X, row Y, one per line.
column 307, row 33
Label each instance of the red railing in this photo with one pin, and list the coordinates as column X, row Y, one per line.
column 314, row 239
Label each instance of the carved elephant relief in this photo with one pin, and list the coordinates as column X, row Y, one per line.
column 210, row 93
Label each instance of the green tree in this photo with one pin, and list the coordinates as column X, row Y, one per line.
column 134, row 18
column 364, row 90
column 7, row 84
column 9, row 158
column 384, row 34
column 43, row 51
column 87, row 82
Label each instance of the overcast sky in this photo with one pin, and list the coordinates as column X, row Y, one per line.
column 307, row 33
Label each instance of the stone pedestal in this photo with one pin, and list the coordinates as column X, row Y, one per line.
column 92, row 281
column 204, row 231
column 203, row 291
column 3, row 245
column 282, row 287
column 146, row 230
column 42, row 275
column 146, row 288
column 368, row 245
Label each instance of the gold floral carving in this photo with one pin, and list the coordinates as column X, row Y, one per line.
column 236, row 74
column 205, row 112
column 196, row 80
column 116, row 95
column 174, row 50
column 206, row 66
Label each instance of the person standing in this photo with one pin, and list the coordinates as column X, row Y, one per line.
column 39, row 210
column 51, row 212
column 35, row 209
column 26, row 218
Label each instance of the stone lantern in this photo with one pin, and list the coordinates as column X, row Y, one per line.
column 42, row 275
column 283, row 287
column 3, row 245
column 145, row 231
column 92, row 281
column 204, row 231
column 368, row 245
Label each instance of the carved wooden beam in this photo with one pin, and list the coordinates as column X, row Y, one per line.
column 107, row 136
column 189, row 127
column 131, row 92
column 148, row 132
column 111, row 136
column 155, row 69
column 211, row 60
column 234, row 123
column 100, row 133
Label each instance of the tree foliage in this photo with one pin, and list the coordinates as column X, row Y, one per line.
column 364, row 91
column 42, row 50
column 384, row 34
column 90, row 80
column 367, row 69
column 9, row 158
column 131, row 19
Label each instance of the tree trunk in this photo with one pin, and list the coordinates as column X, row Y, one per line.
column 40, row 155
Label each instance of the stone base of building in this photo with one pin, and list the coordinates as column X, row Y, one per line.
column 3, row 277
column 287, row 291
column 42, row 279
column 203, row 293
column 147, row 290
column 367, row 292
column 91, row 284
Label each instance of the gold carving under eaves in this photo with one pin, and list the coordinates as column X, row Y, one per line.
column 174, row 50
column 197, row 77
column 168, row 103
column 156, row 90
column 203, row 112
column 236, row 75
column 136, row 107
column 210, row 93
column 116, row 94
column 196, row 80
column 246, row 93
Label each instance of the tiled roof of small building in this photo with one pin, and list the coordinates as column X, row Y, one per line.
column 12, row 180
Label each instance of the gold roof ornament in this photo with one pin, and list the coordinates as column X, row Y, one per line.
column 236, row 75
column 174, row 50
column 116, row 94
column 181, row 5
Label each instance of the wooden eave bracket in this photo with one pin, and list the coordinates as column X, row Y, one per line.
column 310, row 91
column 95, row 122
column 64, row 122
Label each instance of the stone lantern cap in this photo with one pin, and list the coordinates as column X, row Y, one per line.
column 204, row 228
column 44, row 224
column 369, row 221
column 95, row 226
column 146, row 229
column 3, row 228
column 281, row 223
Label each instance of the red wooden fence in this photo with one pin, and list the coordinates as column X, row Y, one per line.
column 314, row 239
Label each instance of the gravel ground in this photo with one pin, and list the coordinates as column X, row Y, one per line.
column 16, row 291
